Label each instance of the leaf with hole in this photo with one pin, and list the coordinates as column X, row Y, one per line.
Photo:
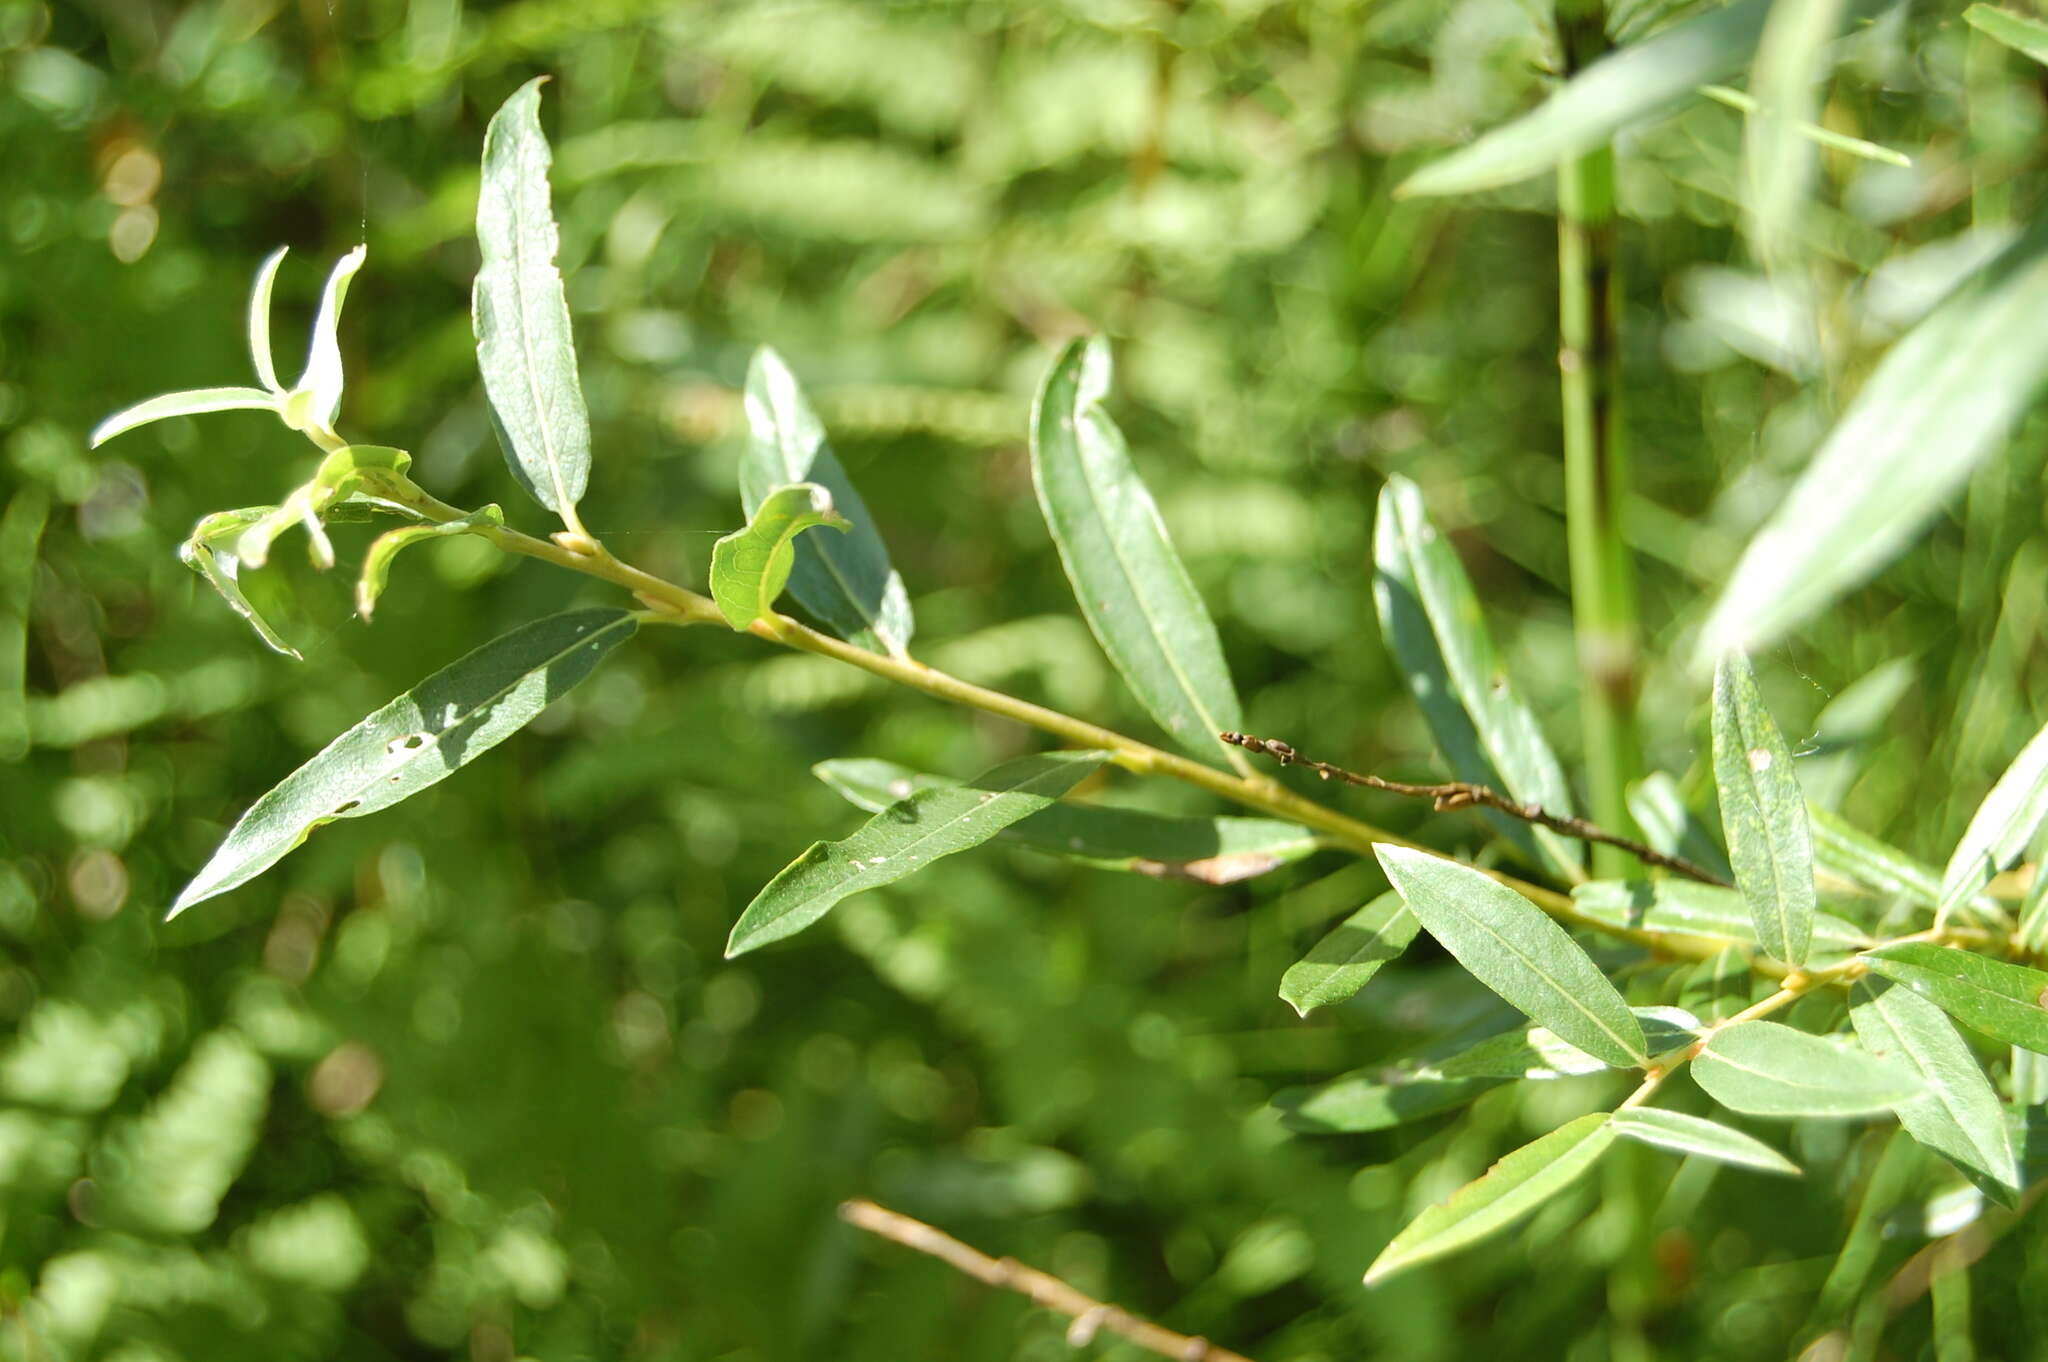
column 1959, row 1116
column 904, row 838
column 422, row 737
column 2002, row 1000
column 750, row 566
column 1508, row 944
column 1767, row 1069
column 1132, row 588
column 1763, row 813
column 1697, row 1137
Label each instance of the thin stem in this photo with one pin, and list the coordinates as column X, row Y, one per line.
column 1595, row 459
column 1448, row 796
column 1089, row 1316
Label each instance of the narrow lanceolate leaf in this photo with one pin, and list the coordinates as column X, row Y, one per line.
column 425, row 735
column 1705, row 912
column 259, row 320
column 213, row 559
column 1509, row 1190
column 1940, row 401
column 1220, row 850
column 905, row 838
column 1767, row 1069
column 192, row 403
column 523, row 342
column 2000, row 829
column 1793, row 56
column 1431, row 620
column 1132, row 588
column 1959, row 1116
column 2029, row 37
column 1764, row 814
column 843, row 579
column 318, row 394
column 2005, row 1001
column 750, row 566
column 388, row 545
column 1846, row 850
column 1695, row 1135
column 1507, row 944
column 2031, row 935
column 1346, row 960
column 1639, row 80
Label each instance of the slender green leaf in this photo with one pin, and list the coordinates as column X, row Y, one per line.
column 1660, row 811
column 1766, row 1069
column 1852, row 853
column 2031, row 936
column 1959, row 1116
column 2000, row 829
column 21, row 533
column 192, row 403
column 750, row 566
column 1432, row 623
column 1221, row 850
column 422, row 737
column 1132, row 588
column 1939, row 402
column 1706, row 912
column 1346, row 960
column 843, row 579
column 259, row 321
column 2028, row 37
column 2005, row 1001
column 207, row 554
column 1764, row 814
column 1697, row 1136
column 1813, row 132
column 317, row 397
column 1507, row 943
column 1641, row 79
column 905, row 837
column 524, row 347
column 388, row 545
column 1793, row 57
column 1505, row 1193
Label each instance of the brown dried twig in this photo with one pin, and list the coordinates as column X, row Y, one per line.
column 1089, row 1316
column 1459, row 794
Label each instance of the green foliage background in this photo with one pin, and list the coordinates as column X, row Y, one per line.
column 472, row 1079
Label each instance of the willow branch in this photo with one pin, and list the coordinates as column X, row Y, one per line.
column 1089, row 1316
column 1459, row 794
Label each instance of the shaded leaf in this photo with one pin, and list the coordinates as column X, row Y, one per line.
column 190, row 403
column 422, row 737
column 388, row 545
column 524, row 346
column 2000, row 829
column 1669, row 826
column 1433, row 626
column 1131, row 585
column 1959, row 1116
column 2004, row 1001
column 1705, row 912
column 906, row 837
column 844, row 579
column 1699, row 1137
column 2028, row 37
column 1766, row 1069
column 1854, row 854
column 1506, row 1192
column 750, row 566
column 1345, row 961
column 1507, row 943
column 1763, row 813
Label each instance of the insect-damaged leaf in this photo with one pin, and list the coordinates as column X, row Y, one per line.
column 1764, row 814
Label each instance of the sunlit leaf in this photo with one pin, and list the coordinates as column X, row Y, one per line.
column 1676, row 907
column 1764, row 814
column 1767, row 1069
column 422, row 737
column 2001, row 828
column 750, row 566
column 2005, row 1001
column 1793, row 57
column 843, row 579
column 1939, row 402
column 904, row 838
column 1698, row 1137
column 317, row 395
column 1345, row 961
column 1959, row 1116
column 207, row 554
column 388, row 545
column 1131, row 585
column 1512, row 1188
column 1432, row 624
column 191, row 403
column 1508, row 944
column 2022, row 34
column 259, row 321
column 524, row 346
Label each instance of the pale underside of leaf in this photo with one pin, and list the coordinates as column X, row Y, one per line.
column 2001, row 828
column 193, row 402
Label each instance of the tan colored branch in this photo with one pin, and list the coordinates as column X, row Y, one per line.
column 1089, row 1316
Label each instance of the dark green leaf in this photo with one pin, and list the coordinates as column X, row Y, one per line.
column 1505, row 1193
column 906, row 837
column 843, row 579
column 1959, row 1116
column 1433, row 626
column 1764, row 814
column 425, row 735
column 1131, row 586
column 1507, row 943
column 1697, row 1136
column 750, row 566
column 523, row 343
column 2004, row 1001
column 1346, row 960
column 1766, row 1069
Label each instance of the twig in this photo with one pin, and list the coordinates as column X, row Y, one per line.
column 1089, row 1316
column 1459, row 794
